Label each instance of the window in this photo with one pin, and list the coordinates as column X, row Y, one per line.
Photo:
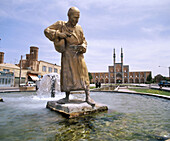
column 9, row 81
column 44, row 68
column 6, row 70
column 6, row 81
column 49, row 69
column 2, row 80
column 55, row 70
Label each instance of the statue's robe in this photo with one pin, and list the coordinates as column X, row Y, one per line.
column 74, row 73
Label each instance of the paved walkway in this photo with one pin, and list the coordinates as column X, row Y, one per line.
column 15, row 89
column 125, row 89
column 9, row 89
column 153, row 86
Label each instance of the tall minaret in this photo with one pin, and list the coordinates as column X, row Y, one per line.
column 114, row 61
column 114, row 57
column 122, row 65
column 122, row 56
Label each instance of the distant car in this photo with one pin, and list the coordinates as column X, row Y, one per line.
column 29, row 83
column 23, row 85
column 164, row 83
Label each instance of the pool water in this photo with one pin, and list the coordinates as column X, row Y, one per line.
column 24, row 116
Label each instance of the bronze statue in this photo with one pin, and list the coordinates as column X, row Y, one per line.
column 69, row 40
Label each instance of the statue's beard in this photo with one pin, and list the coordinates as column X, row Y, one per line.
column 74, row 24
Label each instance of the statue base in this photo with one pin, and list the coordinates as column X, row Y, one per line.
column 75, row 108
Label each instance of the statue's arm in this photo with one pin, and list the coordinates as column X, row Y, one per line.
column 83, row 43
column 52, row 32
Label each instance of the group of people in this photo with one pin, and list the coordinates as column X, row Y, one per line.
column 98, row 84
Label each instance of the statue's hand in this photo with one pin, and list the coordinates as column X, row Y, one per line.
column 62, row 35
column 81, row 49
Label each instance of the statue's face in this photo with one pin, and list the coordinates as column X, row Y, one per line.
column 74, row 18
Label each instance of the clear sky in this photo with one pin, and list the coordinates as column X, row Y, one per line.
column 140, row 27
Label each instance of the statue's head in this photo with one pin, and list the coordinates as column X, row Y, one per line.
column 73, row 15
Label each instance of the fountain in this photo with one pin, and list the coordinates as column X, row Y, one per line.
column 53, row 79
column 49, row 85
column 130, row 117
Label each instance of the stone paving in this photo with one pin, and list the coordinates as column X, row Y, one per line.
column 124, row 89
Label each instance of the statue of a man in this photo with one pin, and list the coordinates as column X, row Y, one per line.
column 69, row 40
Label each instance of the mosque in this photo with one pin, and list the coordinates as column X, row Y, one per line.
column 119, row 73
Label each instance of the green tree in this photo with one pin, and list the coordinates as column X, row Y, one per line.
column 149, row 78
column 90, row 77
column 158, row 78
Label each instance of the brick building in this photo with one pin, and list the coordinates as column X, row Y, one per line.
column 37, row 68
column 119, row 73
column 29, row 69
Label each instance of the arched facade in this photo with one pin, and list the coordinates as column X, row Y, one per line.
column 119, row 73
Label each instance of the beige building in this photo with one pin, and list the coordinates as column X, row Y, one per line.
column 9, row 73
column 36, row 69
column 31, row 69
column 119, row 73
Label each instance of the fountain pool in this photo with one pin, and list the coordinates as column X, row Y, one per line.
column 23, row 116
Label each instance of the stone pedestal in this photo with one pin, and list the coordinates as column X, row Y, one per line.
column 75, row 108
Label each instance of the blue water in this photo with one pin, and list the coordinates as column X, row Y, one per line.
column 23, row 116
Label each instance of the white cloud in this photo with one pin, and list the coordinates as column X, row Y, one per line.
column 155, row 30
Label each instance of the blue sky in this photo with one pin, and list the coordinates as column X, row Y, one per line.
column 140, row 27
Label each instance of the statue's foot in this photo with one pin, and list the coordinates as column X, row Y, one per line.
column 66, row 99
column 63, row 101
column 90, row 102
